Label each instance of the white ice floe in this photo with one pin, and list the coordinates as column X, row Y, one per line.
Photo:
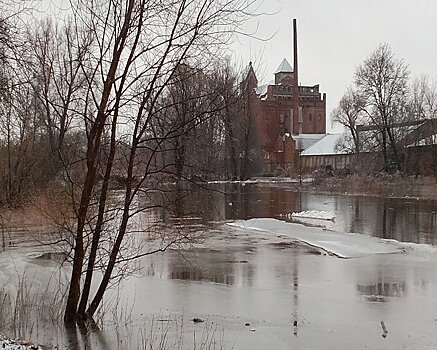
column 341, row 244
column 312, row 214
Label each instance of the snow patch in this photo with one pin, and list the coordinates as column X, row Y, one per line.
column 341, row 244
column 263, row 180
column 312, row 214
column 12, row 344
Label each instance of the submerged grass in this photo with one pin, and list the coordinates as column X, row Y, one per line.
column 168, row 334
column 27, row 312
column 23, row 307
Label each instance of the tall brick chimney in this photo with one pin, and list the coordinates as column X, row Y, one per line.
column 297, row 120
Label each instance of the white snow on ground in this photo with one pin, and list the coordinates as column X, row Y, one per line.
column 264, row 180
column 313, row 214
column 341, row 244
column 10, row 344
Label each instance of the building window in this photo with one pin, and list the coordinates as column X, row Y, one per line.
column 311, row 117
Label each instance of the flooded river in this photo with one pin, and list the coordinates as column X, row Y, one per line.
column 257, row 290
column 405, row 219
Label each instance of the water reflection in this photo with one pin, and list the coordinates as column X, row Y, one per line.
column 251, row 201
column 86, row 336
column 383, row 289
column 401, row 219
column 295, row 294
column 192, row 273
column 203, row 265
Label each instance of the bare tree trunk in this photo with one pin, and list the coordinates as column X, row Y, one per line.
column 99, row 224
column 245, row 159
column 394, row 149
column 117, row 244
column 92, row 155
column 384, row 151
column 233, row 153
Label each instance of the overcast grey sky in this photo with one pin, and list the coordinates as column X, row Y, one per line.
column 335, row 36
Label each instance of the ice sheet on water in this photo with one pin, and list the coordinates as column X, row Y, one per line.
column 342, row 244
column 313, row 214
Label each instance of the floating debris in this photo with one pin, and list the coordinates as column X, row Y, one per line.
column 384, row 330
column 295, row 328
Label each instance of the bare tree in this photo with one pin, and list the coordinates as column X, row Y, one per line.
column 422, row 109
column 188, row 117
column 88, row 102
column 382, row 82
column 54, row 63
column 250, row 159
column 21, row 145
column 211, row 127
column 349, row 114
column 137, row 47
column 18, row 129
column 227, row 87
column 422, row 103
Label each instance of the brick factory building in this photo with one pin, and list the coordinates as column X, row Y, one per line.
column 287, row 117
